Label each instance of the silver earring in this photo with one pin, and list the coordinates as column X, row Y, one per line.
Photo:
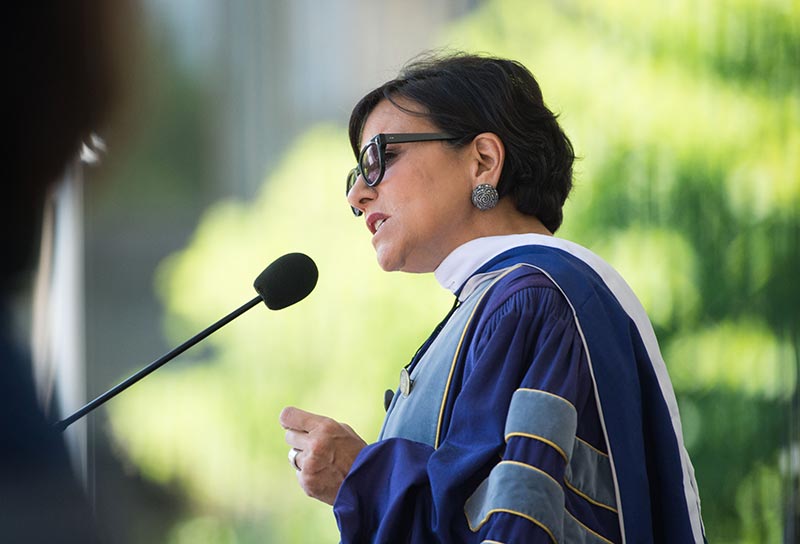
column 485, row 197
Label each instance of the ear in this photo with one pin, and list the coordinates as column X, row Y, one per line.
column 488, row 156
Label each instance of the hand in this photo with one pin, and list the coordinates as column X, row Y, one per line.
column 327, row 451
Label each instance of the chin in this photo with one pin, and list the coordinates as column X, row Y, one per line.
column 386, row 262
column 401, row 262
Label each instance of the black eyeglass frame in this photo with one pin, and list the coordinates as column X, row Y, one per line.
column 380, row 141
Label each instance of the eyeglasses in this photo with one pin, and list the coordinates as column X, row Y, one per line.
column 372, row 159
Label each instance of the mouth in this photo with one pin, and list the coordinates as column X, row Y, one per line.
column 375, row 221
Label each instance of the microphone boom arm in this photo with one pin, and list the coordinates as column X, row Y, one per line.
column 155, row 365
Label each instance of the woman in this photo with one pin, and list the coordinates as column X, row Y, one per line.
column 540, row 409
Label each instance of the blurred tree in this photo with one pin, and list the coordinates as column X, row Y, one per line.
column 215, row 430
column 687, row 117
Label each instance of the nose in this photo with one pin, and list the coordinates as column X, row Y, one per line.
column 360, row 194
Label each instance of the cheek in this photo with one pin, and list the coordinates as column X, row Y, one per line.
column 451, row 202
column 426, row 200
column 432, row 206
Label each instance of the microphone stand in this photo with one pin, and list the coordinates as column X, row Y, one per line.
column 155, row 365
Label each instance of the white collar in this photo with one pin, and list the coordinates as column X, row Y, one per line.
column 464, row 260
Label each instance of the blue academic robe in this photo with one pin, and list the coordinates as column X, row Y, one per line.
column 540, row 412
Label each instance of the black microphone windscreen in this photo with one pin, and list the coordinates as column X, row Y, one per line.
column 287, row 280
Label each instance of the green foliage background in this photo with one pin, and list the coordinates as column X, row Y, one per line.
column 686, row 116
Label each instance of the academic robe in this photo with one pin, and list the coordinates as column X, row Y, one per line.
column 539, row 411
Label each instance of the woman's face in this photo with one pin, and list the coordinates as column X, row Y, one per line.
column 421, row 210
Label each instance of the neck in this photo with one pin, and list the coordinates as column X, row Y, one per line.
column 506, row 219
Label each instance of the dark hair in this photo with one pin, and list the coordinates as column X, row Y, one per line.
column 67, row 80
column 465, row 95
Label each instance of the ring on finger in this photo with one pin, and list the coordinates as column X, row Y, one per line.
column 293, row 458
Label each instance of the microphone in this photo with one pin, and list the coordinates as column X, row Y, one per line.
column 289, row 279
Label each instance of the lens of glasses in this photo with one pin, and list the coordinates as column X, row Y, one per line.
column 352, row 177
column 370, row 164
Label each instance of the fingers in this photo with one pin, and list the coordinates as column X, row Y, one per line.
column 322, row 439
column 299, row 420
column 305, row 430
column 298, row 439
column 325, row 451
